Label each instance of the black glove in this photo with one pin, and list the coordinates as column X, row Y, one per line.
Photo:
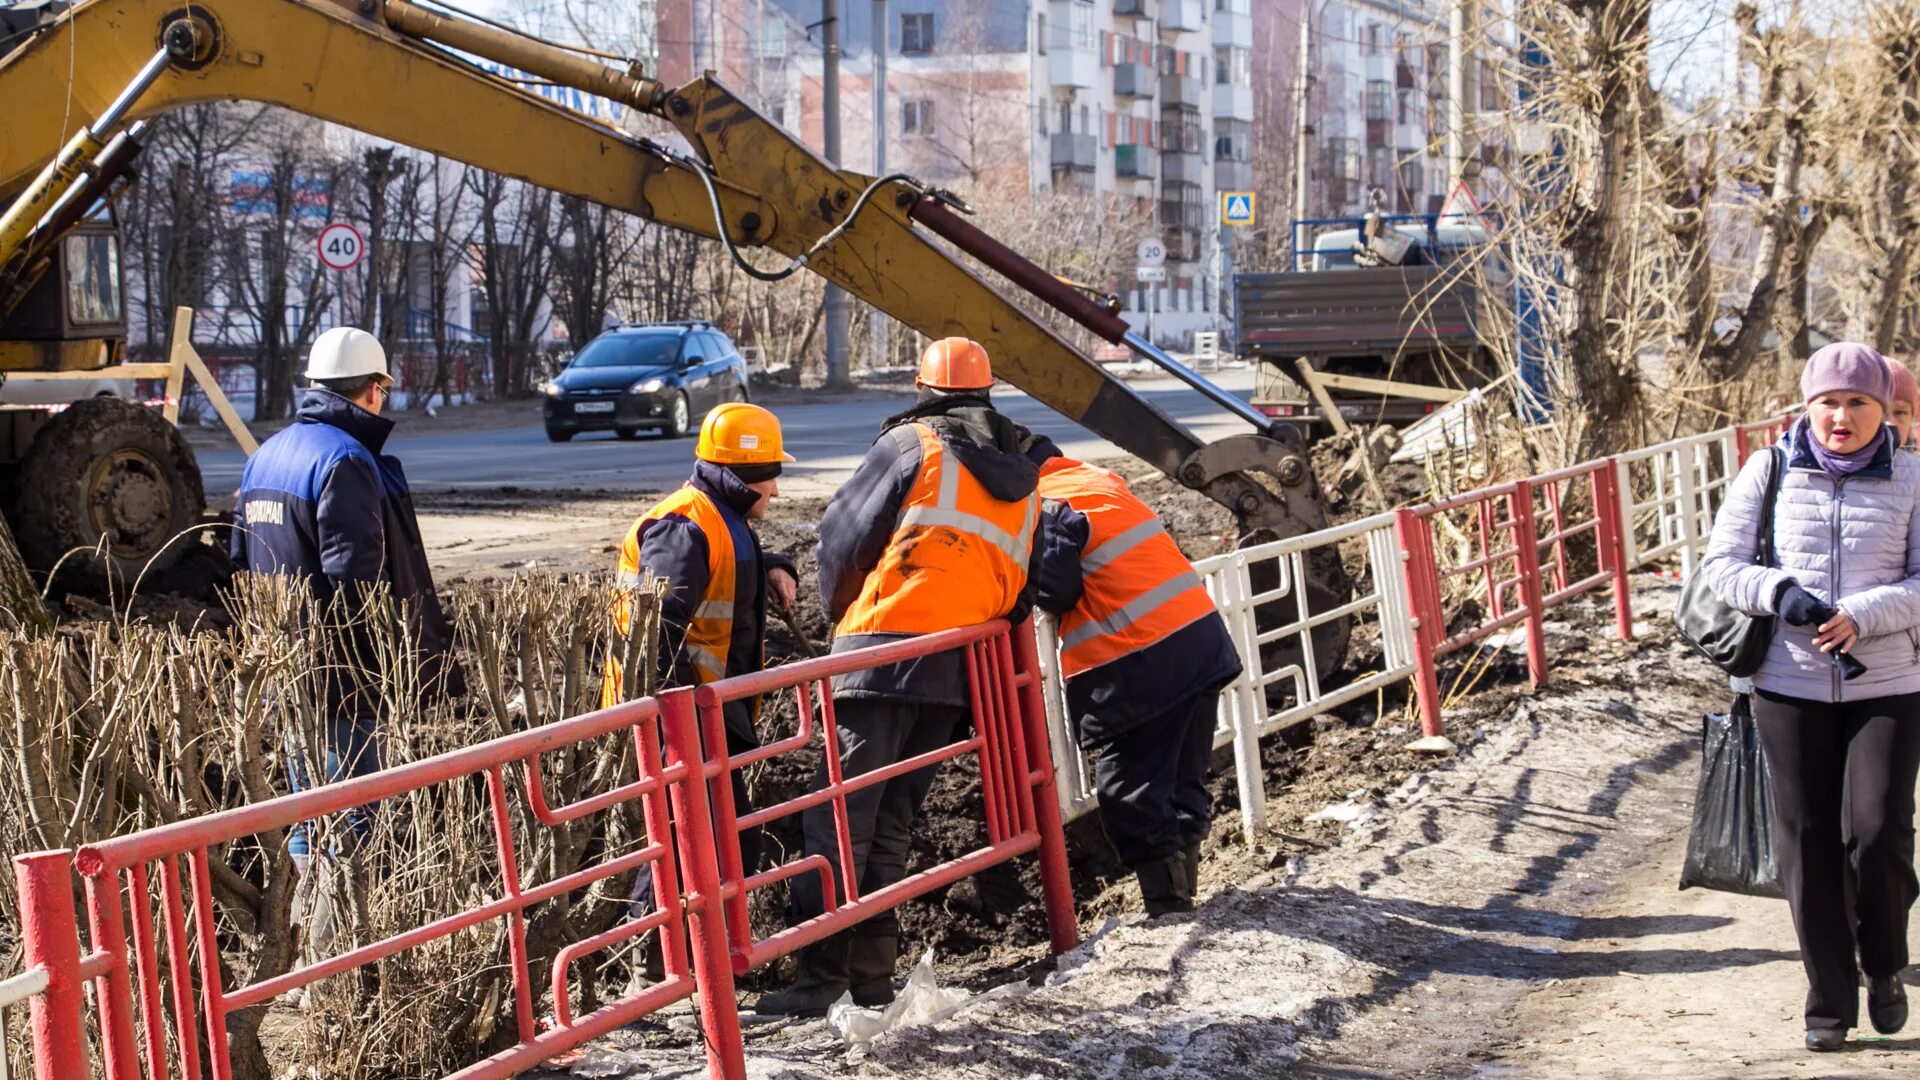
column 1850, row 668
column 1801, row 608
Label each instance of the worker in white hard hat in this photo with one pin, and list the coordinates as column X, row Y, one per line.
column 321, row 502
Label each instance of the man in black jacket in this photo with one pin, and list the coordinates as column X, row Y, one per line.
column 934, row 530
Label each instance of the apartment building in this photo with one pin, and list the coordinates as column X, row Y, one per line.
column 1146, row 100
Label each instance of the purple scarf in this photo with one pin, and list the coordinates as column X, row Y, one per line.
column 1841, row 464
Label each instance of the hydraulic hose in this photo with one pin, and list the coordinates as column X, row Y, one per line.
column 799, row 262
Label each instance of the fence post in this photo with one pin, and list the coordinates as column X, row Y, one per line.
column 113, row 991
column 1423, row 596
column 1685, row 481
column 1056, row 880
column 1610, row 544
column 707, row 926
column 1739, row 445
column 1249, row 706
column 1527, row 555
column 51, row 936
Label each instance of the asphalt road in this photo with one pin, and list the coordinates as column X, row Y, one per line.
column 828, row 438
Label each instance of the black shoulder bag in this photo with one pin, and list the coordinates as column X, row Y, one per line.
column 1736, row 641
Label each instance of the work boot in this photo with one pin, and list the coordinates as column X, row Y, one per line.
column 1192, row 858
column 820, row 982
column 870, row 965
column 1163, row 885
column 1886, row 1003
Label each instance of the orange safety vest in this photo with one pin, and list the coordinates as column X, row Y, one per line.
column 710, row 633
column 958, row 556
column 1137, row 588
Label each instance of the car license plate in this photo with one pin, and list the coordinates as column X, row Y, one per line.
column 593, row 407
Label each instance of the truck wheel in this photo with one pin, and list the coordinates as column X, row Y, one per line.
column 110, row 476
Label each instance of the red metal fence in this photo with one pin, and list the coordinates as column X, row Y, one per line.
column 701, row 894
column 1508, row 553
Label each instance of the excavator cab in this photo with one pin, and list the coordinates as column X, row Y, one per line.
column 93, row 474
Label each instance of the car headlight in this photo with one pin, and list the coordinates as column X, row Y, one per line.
column 550, row 388
column 647, row 386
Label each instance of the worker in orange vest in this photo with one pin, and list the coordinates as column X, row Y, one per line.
column 1145, row 654
column 720, row 582
column 933, row 531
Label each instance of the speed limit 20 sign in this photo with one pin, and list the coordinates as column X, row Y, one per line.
column 341, row 246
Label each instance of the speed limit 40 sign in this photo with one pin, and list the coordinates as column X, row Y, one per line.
column 341, row 246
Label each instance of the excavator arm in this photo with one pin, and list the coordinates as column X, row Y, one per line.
column 399, row 71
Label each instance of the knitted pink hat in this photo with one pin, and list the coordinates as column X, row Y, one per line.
column 1905, row 387
column 1847, row 366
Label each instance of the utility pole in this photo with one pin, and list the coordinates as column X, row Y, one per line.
column 1456, row 94
column 838, row 378
column 1303, row 149
column 880, row 328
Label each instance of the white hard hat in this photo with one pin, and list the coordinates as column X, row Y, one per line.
column 345, row 352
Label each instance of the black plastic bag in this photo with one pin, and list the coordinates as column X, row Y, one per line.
column 1731, row 845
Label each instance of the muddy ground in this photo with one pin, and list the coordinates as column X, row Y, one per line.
column 1507, row 912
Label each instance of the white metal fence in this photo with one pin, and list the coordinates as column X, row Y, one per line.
column 1682, row 484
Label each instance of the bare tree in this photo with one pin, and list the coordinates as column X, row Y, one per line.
column 267, row 244
column 515, row 261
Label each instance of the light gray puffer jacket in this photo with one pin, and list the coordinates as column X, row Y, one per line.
column 1861, row 532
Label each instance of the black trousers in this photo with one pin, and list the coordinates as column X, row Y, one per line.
column 1843, row 777
column 740, row 738
column 873, row 734
column 1151, row 781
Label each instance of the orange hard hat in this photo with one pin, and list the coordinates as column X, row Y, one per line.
column 955, row 363
column 737, row 433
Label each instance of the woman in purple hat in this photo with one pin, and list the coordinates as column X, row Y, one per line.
column 1837, row 702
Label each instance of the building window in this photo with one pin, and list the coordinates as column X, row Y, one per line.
column 1080, row 33
column 1407, row 109
column 1379, row 100
column 916, row 117
column 916, row 34
column 1376, row 38
column 1040, row 32
column 1380, row 167
column 1232, row 67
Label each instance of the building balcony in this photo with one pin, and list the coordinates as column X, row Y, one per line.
column 1181, row 167
column 1233, row 29
column 1133, row 161
column 1068, row 66
column 1232, row 175
column 1129, row 9
column 1182, row 90
column 1232, row 101
column 1133, row 81
column 1178, row 16
column 1072, row 150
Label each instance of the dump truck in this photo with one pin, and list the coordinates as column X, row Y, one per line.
column 1380, row 319
column 123, row 483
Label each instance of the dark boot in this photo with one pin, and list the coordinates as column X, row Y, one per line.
column 1163, row 885
column 1886, row 1003
column 1826, row 1040
column 1192, row 857
column 821, row 980
column 870, row 965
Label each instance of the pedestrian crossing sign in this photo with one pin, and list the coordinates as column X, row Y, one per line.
column 1236, row 207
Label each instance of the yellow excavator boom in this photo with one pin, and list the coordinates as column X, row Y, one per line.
column 398, row 71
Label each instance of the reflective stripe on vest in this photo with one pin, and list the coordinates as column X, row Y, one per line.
column 957, row 556
column 1136, row 586
column 710, row 631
